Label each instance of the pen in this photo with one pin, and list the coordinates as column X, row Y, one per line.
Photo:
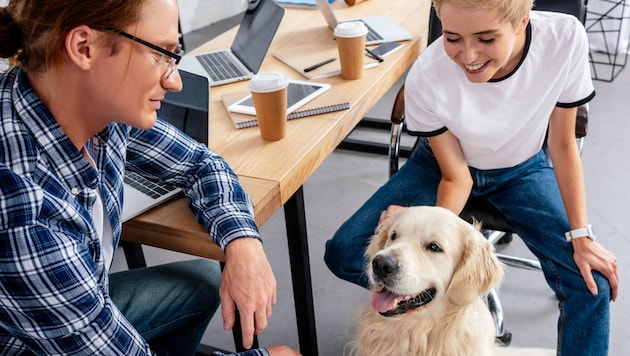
column 374, row 55
column 317, row 65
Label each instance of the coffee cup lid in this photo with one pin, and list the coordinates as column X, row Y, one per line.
column 350, row 29
column 267, row 82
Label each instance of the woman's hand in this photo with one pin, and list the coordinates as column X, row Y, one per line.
column 591, row 256
column 389, row 211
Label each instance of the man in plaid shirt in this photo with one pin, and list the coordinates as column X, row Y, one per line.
column 77, row 110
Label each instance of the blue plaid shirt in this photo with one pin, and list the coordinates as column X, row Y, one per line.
column 53, row 279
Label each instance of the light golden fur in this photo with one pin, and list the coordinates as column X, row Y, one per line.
column 435, row 249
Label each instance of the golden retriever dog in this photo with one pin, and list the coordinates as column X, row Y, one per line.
column 429, row 270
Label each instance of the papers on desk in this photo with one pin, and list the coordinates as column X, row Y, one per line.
column 304, row 4
column 301, row 57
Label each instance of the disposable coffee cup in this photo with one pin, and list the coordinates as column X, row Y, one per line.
column 350, row 38
column 353, row 2
column 269, row 92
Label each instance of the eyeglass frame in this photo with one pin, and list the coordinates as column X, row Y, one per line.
column 173, row 55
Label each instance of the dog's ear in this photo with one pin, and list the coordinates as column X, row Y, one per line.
column 478, row 271
column 378, row 240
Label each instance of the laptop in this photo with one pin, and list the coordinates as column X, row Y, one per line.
column 380, row 28
column 187, row 110
column 251, row 43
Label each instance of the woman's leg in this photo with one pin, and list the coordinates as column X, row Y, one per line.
column 528, row 198
column 414, row 184
column 171, row 304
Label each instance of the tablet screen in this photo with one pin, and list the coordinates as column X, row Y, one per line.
column 298, row 94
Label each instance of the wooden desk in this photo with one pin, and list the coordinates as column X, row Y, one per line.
column 274, row 172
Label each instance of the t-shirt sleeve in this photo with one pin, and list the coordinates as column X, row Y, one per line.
column 579, row 87
column 420, row 116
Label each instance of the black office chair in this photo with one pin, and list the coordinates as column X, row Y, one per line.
column 496, row 230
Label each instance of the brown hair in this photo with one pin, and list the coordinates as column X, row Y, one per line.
column 33, row 31
column 512, row 11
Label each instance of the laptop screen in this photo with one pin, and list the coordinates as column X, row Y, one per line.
column 188, row 109
column 256, row 31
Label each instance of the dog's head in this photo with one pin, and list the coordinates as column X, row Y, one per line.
column 421, row 255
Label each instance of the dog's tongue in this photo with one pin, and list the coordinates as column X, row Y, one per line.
column 385, row 300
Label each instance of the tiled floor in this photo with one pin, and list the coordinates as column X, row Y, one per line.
column 347, row 178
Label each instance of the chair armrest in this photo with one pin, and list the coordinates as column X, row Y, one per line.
column 398, row 110
column 581, row 122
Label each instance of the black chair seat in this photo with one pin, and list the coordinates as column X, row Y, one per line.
column 479, row 210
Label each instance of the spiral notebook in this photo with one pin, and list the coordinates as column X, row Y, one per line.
column 329, row 101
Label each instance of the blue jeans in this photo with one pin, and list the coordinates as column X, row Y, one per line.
column 528, row 199
column 170, row 305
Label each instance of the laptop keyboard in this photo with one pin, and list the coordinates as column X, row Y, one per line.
column 154, row 190
column 220, row 66
column 371, row 35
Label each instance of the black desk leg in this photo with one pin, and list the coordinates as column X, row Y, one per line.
column 133, row 255
column 237, row 332
column 295, row 220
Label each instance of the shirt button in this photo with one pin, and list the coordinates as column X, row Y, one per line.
column 74, row 191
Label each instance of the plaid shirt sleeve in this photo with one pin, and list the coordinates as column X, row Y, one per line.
column 217, row 199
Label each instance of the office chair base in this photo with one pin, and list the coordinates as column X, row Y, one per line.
column 506, row 239
column 504, row 337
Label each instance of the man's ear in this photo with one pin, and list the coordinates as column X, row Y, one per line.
column 80, row 46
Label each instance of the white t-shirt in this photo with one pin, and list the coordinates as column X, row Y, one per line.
column 501, row 123
column 101, row 222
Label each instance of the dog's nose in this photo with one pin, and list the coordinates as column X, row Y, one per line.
column 383, row 266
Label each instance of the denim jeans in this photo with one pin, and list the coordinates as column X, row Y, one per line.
column 170, row 305
column 526, row 197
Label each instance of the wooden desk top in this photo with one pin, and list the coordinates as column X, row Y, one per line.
column 271, row 172
column 310, row 140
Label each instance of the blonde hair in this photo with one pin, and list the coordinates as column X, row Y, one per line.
column 512, row 11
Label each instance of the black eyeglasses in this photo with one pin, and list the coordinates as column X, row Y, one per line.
column 173, row 57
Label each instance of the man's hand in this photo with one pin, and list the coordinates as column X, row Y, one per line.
column 591, row 256
column 249, row 285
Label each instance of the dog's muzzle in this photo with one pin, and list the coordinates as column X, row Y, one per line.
column 404, row 304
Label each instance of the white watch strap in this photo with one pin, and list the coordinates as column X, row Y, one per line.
column 582, row 232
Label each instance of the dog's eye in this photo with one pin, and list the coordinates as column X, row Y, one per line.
column 434, row 247
column 394, row 236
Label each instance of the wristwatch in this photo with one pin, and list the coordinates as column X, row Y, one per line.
column 578, row 233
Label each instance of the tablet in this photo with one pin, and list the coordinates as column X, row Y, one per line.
column 298, row 94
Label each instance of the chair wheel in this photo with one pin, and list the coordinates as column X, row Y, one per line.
column 505, row 339
column 506, row 239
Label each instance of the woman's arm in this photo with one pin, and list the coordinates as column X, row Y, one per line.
column 588, row 254
column 454, row 188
